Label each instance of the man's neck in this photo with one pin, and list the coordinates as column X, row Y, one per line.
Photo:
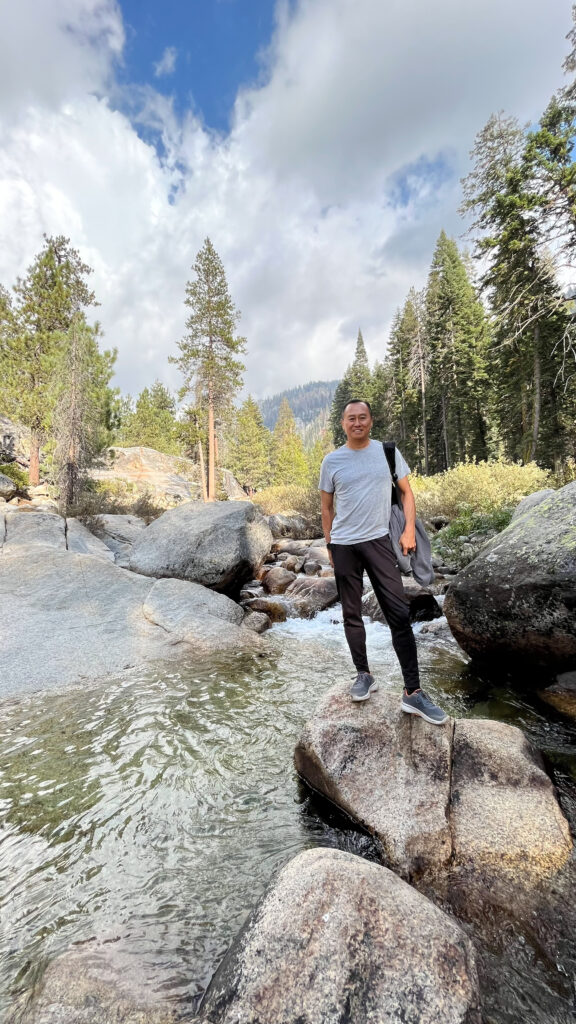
column 356, row 445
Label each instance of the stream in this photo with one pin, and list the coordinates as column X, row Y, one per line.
column 153, row 810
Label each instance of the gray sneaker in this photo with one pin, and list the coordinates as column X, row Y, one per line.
column 363, row 686
column 419, row 703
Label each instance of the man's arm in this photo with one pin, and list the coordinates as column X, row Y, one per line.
column 327, row 499
column 407, row 541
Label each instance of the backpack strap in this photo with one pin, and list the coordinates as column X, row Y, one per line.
column 390, row 453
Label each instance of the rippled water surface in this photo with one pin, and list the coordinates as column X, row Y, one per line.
column 154, row 810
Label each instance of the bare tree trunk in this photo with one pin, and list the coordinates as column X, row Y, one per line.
column 445, row 432
column 537, row 394
column 202, row 471
column 423, row 400
column 34, row 471
column 211, row 451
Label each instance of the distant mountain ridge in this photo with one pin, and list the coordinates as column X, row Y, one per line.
column 310, row 404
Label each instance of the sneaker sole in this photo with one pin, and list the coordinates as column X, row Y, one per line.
column 414, row 711
column 372, row 689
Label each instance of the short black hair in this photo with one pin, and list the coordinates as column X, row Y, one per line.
column 354, row 401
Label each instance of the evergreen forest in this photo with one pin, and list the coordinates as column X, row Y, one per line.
column 480, row 362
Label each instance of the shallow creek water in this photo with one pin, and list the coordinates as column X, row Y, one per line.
column 154, row 810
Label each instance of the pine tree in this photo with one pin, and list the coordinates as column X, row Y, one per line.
column 315, row 456
column 289, row 464
column 208, row 352
column 45, row 303
column 531, row 318
column 152, row 423
column 81, row 424
column 356, row 383
column 249, row 452
column 457, row 353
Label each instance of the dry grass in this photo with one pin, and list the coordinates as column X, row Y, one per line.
column 291, row 500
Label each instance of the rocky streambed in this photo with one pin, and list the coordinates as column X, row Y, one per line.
column 145, row 814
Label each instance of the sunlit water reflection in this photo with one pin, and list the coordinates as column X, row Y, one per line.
column 154, row 810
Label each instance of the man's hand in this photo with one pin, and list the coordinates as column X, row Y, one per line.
column 407, row 542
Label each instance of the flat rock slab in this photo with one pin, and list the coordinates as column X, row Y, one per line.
column 506, row 820
column 387, row 770
column 83, row 542
column 220, row 544
column 68, row 617
column 335, row 939
column 25, row 529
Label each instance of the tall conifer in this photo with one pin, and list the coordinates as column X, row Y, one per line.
column 208, row 353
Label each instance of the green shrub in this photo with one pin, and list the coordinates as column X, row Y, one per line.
column 471, row 490
column 290, row 499
column 19, row 476
column 101, row 498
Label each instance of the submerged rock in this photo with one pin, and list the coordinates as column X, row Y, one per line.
column 562, row 694
column 220, row 544
column 517, row 599
column 336, row 938
column 94, row 985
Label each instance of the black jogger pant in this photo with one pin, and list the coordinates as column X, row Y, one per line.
column 377, row 558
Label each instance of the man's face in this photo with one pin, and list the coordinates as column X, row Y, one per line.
column 357, row 421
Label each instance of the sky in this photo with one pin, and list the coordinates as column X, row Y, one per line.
column 318, row 143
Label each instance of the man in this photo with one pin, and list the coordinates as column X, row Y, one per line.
column 355, row 526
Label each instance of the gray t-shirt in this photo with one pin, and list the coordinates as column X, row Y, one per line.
column 361, row 482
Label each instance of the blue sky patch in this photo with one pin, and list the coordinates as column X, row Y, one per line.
column 199, row 52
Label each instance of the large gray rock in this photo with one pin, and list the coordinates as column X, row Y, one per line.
column 335, row 939
column 517, row 599
column 505, row 818
column 96, row 984
column 530, row 501
column 220, row 544
column 118, row 532
column 168, row 479
column 7, row 487
column 68, row 617
column 310, row 595
column 388, row 771
column 80, row 540
column 29, row 528
column 469, row 800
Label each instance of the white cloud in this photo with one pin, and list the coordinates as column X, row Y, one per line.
column 167, row 63
column 325, row 199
